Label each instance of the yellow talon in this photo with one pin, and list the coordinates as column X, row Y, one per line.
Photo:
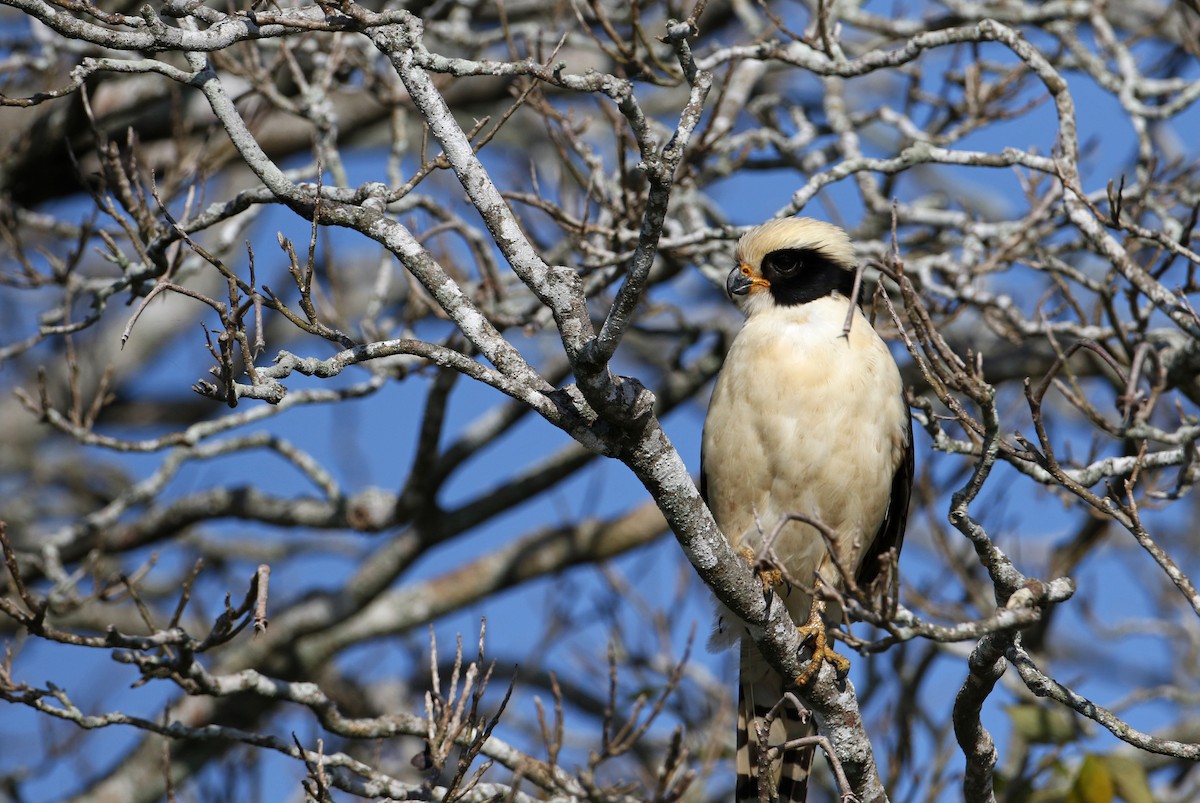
column 768, row 575
column 770, row 578
column 814, row 630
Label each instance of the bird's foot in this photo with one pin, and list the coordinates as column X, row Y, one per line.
column 768, row 574
column 813, row 631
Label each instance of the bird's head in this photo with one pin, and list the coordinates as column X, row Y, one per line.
column 791, row 261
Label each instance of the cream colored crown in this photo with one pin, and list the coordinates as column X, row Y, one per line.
column 795, row 232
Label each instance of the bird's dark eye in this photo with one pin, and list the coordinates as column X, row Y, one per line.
column 783, row 264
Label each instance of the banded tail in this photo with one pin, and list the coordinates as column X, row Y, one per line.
column 760, row 688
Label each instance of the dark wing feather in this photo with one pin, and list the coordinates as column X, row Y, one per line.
column 891, row 530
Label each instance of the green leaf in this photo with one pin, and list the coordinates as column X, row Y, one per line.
column 1129, row 779
column 1039, row 724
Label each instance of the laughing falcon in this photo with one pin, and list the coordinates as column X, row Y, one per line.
column 805, row 418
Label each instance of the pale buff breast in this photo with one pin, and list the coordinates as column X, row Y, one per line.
column 804, row 420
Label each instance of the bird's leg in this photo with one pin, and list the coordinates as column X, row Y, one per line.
column 814, row 631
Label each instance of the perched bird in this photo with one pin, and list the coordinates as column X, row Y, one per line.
column 806, row 418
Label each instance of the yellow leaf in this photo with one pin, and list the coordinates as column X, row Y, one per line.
column 1093, row 783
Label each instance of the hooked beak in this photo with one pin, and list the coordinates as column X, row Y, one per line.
column 739, row 282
